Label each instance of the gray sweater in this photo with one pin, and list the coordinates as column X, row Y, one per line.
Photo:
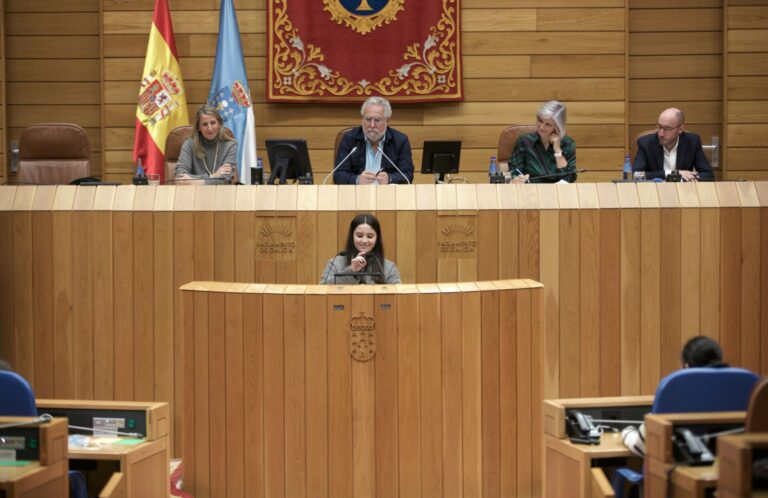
column 190, row 164
column 338, row 264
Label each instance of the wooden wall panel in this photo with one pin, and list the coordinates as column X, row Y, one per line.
column 675, row 59
column 747, row 103
column 4, row 171
column 697, row 54
column 52, row 60
column 584, row 43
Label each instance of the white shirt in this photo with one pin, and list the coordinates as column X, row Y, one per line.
column 670, row 158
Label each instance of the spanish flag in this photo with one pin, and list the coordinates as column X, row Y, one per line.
column 162, row 104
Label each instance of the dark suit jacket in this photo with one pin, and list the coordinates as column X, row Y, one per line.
column 690, row 156
column 396, row 147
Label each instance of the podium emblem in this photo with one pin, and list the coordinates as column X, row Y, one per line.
column 362, row 337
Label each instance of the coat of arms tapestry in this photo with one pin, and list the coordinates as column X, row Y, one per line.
column 348, row 50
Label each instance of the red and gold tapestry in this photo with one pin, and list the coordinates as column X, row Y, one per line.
column 348, row 50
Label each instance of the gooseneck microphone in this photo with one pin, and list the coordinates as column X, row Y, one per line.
column 394, row 165
column 340, row 163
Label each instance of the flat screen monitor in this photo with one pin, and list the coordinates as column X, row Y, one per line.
column 288, row 159
column 441, row 157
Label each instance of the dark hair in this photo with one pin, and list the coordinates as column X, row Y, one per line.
column 378, row 248
column 702, row 351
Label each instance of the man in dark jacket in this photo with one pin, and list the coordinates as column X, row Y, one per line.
column 672, row 149
column 383, row 154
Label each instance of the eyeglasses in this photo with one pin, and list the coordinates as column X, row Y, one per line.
column 666, row 129
column 377, row 120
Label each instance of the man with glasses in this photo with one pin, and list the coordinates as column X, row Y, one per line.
column 383, row 154
column 670, row 149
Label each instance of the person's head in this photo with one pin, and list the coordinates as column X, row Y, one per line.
column 364, row 236
column 376, row 112
column 209, row 125
column 670, row 124
column 550, row 119
column 701, row 351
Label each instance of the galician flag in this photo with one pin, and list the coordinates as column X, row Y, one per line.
column 229, row 90
column 162, row 104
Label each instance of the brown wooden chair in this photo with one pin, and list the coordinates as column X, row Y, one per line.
column 339, row 136
column 507, row 141
column 757, row 412
column 173, row 143
column 634, row 143
column 53, row 154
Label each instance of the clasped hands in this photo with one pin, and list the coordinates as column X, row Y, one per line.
column 369, row 177
column 224, row 170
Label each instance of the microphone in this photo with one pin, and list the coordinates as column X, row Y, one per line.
column 393, row 164
column 557, row 175
column 340, row 163
column 368, row 271
column 380, row 272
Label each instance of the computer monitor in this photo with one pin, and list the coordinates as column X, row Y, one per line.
column 288, row 158
column 441, row 157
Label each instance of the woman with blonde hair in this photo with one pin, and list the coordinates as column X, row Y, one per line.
column 211, row 152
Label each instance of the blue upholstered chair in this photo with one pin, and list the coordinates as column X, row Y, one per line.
column 16, row 395
column 690, row 390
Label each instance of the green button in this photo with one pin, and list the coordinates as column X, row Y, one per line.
column 33, row 443
column 131, row 423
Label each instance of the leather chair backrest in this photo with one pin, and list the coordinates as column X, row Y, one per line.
column 173, row 143
column 757, row 413
column 339, row 136
column 633, row 153
column 53, row 154
column 16, row 396
column 704, row 389
column 507, row 140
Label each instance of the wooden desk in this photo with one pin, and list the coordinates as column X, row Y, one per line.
column 686, row 481
column 573, row 470
column 35, row 480
column 282, row 400
column 736, row 454
column 45, row 477
column 118, row 469
column 142, row 468
column 606, row 254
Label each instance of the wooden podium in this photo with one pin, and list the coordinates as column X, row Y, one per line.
column 362, row 391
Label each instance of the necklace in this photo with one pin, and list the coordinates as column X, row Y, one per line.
column 215, row 158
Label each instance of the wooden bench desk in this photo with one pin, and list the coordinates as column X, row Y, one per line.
column 736, row 454
column 118, row 466
column 41, row 470
column 576, row 470
column 685, row 481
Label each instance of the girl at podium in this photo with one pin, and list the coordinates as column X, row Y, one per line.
column 362, row 261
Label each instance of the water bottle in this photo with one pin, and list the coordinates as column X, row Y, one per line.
column 141, row 177
column 627, row 168
column 257, row 173
column 494, row 174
